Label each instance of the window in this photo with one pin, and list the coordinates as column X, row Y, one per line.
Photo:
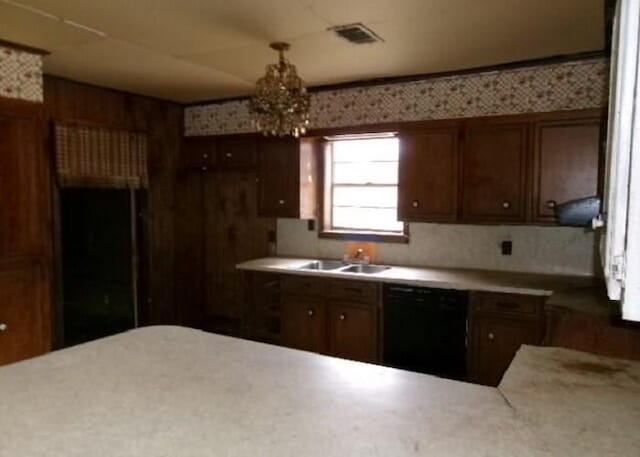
column 361, row 184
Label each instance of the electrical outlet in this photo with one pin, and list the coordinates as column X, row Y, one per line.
column 506, row 247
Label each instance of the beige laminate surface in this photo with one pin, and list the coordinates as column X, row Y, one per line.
column 170, row 391
column 464, row 279
column 578, row 403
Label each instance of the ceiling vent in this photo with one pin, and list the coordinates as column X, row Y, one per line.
column 356, row 33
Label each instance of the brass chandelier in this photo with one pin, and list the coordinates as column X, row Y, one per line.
column 280, row 105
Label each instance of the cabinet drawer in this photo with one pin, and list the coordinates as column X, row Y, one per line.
column 360, row 292
column 509, row 304
column 303, row 285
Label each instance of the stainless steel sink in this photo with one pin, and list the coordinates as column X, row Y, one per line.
column 365, row 269
column 324, row 265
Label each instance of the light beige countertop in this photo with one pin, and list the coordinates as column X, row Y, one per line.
column 444, row 278
column 577, row 403
column 171, row 391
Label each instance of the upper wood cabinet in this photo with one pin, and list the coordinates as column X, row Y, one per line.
column 224, row 153
column 566, row 159
column 237, row 153
column 287, row 177
column 428, row 175
column 494, row 172
column 198, row 153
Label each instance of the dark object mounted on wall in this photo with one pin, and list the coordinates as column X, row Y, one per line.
column 578, row 213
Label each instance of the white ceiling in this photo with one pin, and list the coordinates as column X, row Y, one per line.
column 190, row 50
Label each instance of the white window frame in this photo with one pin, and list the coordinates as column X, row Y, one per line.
column 327, row 228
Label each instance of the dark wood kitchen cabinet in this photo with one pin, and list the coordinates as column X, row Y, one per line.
column 566, row 160
column 287, row 178
column 334, row 317
column 24, row 311
column 25, row 233
column 303, row 323
column 352, row 332
column 198, row 153
column 428, row 175
column 498, row 325
column 494, row 161
column 263, row 311
column 237, row 152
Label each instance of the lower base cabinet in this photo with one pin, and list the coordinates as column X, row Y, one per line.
column 24, row 311
column 498, row 325
column 352, row 332
column 317, row 316
column 303, row 322
column 341, row 318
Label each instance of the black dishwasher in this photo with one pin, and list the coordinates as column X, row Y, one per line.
column 425, row 330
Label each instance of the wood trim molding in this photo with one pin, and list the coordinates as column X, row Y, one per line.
column 23, row 48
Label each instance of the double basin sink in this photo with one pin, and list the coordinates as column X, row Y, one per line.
column 342, row 267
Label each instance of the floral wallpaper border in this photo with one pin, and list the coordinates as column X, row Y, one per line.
column 20, row 75
column 556, row 87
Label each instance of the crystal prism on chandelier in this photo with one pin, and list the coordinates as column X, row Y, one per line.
column 280, row 105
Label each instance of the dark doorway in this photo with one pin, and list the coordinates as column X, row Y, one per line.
column 99, row 258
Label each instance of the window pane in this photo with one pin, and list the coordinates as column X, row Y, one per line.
column 366, row 219
column 364, row 173
column 376, row 197
column 368, row 150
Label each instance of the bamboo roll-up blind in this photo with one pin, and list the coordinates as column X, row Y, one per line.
column 100, row 157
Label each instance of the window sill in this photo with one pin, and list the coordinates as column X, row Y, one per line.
column 364, row 236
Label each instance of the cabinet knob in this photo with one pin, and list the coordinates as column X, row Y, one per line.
column 311, row 312
column 551, row 204
column 280, row 202
column 506, row 204
column 415, row 203
column 228, row 155
column 491, row 336
column 342, row 317
column 205, row 156
column 3, row 327
column 204, row 168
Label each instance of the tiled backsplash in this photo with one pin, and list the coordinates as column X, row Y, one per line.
column 556, row 87
column 552, row 250
column 20, row 75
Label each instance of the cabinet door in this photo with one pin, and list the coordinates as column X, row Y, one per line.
column 236, row 153
column 428, row 176
column 567, row 155
column 303, row 323
column 494, row 177
column 352, row 332
column 198, row 153
column 24, row 330
column 495, row 341
column 24, row 188
column 279, row 178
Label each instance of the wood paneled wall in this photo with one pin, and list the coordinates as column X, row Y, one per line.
column 69, row 101
column 217, row 227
